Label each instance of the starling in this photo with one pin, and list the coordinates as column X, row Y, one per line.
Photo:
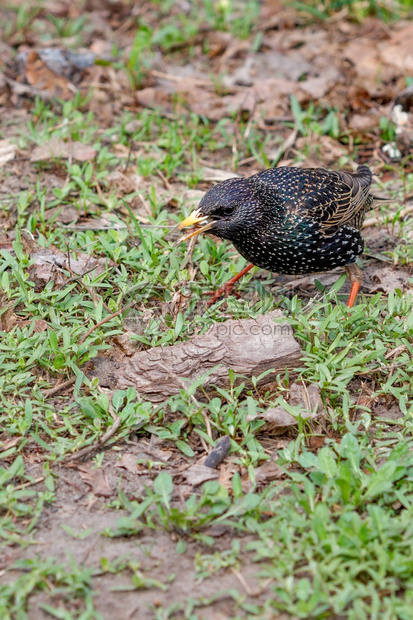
column 289, row 220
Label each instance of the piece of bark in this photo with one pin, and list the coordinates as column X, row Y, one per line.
column 249, row 347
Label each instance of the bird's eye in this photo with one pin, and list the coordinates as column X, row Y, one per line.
column 228, row 210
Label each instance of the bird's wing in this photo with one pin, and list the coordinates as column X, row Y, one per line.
column 337, row 198
column 350, row 198
column 330, row 199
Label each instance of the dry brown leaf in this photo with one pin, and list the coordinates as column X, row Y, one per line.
column 81, row 152
column 268, row 472
column 318, row 87
column 307, row 396
column 398, row 51
column 97, row 480
column 127, row 343
column 226, row 474
column 7, row 319
column 207, row 104
column 56, row 149
column 218, row 41
column 49, row 265
column 7, row 151
column 40, row 325
column 387, row 279
column 197, row 474
column 155, row 100
column 128, row 461
column 66, row 214
column 370, row 71
column 271, row 65
column 216, row 174
column 46, row 82
column 364, row 122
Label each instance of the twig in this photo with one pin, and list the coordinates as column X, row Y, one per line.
column 105, row 320
column 57, row 388
column 395, row 352
column 145, row 205
column 180, row 78
column 372, row 221
column 188, row 257
column 287, row 144
column 24, row 485
column 245, row 585
column 164, row 179
column 105, row 437
column 131, row 145
column 76, row 276
column 378, row 368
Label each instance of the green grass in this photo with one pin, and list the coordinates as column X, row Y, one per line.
column 335, row 536
column 332, row 537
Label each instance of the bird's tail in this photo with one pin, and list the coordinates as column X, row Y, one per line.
column 361, row 179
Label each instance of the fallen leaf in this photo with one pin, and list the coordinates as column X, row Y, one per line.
column 318, row 87
column 268, row 472
column 364, row 122
column 54, row 149
column 7, row 318
column 127, row 341
column 218, row 41
column 66, row 214
column 216, row 174
column 398, row 51
column 58, row 149
column 48, row 265
column 128, row 461
column 306, row 396
column 387, row 279
column 7, row 151
column 82, row 152
column 197, row 474
column 156, row 100
column 45, row 81
column 63, row 62
column 97, row 480
column 270, row 65
column 370, row 71
column 40, row 325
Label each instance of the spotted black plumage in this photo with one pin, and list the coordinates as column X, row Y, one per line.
column 291, row 220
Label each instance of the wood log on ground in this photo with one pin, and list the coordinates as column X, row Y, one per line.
column 247, row 346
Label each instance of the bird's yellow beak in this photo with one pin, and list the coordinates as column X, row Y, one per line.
column 195, row 219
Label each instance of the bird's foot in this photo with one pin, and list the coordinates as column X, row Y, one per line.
column 354, row 274
column 227, row 289
column 355, row 287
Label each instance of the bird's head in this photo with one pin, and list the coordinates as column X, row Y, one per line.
column 227, row 210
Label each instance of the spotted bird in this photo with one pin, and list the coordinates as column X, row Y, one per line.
column 289, row 220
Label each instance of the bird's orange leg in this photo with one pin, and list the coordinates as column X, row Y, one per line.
column 354, row 273
column 226, row 289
